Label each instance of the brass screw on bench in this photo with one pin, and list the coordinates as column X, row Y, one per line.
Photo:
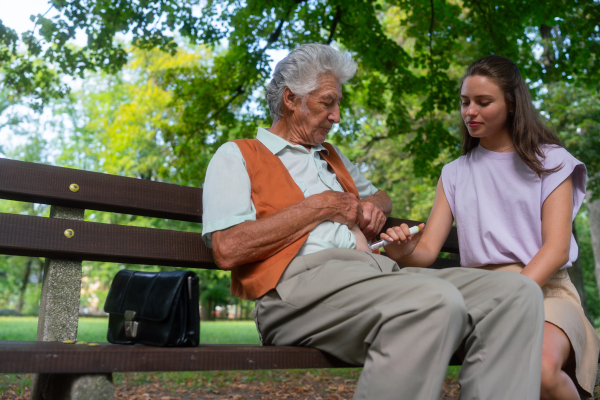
column 74, row 188
column 69, row 233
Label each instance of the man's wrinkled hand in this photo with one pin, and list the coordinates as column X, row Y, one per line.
column 373, row 220
column 341, row 207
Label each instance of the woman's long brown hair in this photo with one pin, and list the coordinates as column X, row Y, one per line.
column 528, row 132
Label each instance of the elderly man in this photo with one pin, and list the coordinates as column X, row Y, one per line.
column 281, row 211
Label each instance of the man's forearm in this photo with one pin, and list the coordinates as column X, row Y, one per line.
column 256, row 240
column 382, row 201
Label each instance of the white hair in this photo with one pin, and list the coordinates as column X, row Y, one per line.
column 301, row 71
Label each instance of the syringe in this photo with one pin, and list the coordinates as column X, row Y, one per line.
column 382, row 242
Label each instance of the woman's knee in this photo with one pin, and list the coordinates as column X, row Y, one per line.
column 556, row 350
column 551, row 377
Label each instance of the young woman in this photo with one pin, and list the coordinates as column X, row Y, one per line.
column 514, row 194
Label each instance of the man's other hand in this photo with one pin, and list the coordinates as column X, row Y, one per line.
column 373, row 219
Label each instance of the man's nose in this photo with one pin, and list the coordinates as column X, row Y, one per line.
column 334, row 116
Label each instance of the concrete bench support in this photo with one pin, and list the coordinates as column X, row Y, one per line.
column 58, row 320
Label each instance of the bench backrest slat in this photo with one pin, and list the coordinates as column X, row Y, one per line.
column 46, row 184
column 44, row 237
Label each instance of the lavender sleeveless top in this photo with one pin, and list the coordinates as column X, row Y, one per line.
column 496, row 200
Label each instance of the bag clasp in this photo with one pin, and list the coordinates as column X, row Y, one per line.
column 131, row 326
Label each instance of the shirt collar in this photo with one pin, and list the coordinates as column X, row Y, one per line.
column 275, row 144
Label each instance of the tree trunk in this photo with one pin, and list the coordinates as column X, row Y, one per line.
column 24, row 286
column 594, row 218
column 40, row 274
column 205, row 313
column 247, row 310
column 576, row 275
column 212, row 316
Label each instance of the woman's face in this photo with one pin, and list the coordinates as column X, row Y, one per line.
column 483, row 108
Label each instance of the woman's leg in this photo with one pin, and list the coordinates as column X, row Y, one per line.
column 556, row 354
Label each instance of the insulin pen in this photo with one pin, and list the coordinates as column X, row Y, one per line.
column 382, row 242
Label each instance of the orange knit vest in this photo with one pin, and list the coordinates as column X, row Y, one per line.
column 273, row 189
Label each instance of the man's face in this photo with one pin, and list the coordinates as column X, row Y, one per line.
column 309, row 124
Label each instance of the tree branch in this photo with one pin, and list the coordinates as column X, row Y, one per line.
column 367, row 147
column 431, row 66
column 548, row 58
column 432, row 20
column 238, row 91
column 35, row 26
column 336, row 19
column 487, row 22
column 273, row 37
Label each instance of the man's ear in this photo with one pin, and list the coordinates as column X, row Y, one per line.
column 289, row 99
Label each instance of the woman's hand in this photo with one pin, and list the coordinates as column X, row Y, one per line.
column 403, row 242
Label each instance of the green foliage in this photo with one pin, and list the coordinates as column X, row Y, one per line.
column 574, row 113
column 123, row 119
column 117, row 123
column 409, row 54
column 586, row 255
column 35, row 72
column 20, row 277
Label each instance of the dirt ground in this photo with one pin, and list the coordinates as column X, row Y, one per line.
column 303, row 387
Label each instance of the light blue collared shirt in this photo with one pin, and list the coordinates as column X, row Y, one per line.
column 227, row 198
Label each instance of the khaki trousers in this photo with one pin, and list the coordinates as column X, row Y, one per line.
column 403, row 325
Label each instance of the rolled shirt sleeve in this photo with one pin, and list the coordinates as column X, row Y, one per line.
column 449, row 181
column 569, row 166
column 226, row 196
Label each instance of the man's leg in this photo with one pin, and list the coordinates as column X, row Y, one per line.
column 503, row 340
column 402, row 326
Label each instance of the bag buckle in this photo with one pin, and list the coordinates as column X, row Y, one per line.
column 131, row 326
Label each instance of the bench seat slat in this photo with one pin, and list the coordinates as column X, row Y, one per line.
column 44, row 237
column 55, row 357
column 46, row 184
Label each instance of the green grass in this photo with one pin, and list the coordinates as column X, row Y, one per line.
column 94, row 330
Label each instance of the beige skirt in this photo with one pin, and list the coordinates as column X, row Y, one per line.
column 562, row 307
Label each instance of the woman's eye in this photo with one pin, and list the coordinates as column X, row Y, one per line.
column 462, row 103
column 484, row 104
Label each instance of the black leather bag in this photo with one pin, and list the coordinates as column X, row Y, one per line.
column 154, row 308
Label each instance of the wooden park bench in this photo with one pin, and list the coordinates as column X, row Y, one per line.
column 69, row 371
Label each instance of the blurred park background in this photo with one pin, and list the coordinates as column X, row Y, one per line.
column 151, row 88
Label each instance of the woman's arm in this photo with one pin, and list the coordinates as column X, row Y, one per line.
column 557, row 212
column 422, row 249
